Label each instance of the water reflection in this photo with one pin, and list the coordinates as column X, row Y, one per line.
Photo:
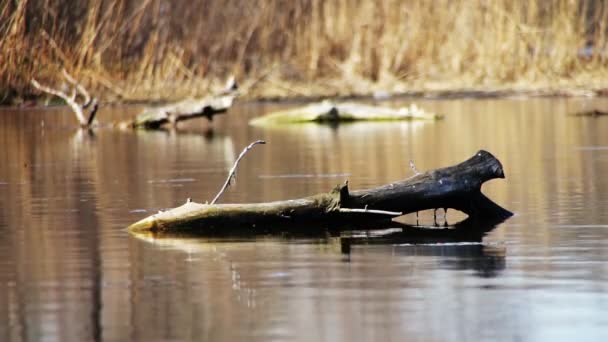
column 457, row 247
column 69, row 271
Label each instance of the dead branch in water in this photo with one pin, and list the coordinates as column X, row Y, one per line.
column 72, row 99
column 457, row 187
column 156, row 117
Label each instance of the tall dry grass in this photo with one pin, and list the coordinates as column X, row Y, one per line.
column 164, row 49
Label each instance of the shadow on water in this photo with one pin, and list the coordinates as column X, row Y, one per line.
column 469, row 230
column 459, row 246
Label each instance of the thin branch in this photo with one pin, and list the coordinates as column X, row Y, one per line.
column 232, row 172
column 413, row 167
column 93, row 112
column 70, row 101
column 79, row 88
column 77, row 108
column 370, row 211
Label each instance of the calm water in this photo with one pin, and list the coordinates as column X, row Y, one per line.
column 70, row 272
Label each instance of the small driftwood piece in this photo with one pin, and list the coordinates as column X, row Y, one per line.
column 592, row 113
column 457, row 187
column 328, row 111
column 72, row 99
column 156, row 117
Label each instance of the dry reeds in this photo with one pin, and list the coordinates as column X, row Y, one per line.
column 155, row 49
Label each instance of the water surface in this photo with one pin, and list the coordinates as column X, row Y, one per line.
column 70, row 272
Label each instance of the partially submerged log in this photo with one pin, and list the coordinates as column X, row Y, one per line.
column 153, row 118
column 328, row 111
column 79, row 108
column 457, row 187
column 156, row 117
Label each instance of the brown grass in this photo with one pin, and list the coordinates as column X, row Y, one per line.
column 157, row 49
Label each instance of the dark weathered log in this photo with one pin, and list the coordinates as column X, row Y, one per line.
column 153, row 118
column 457, row 187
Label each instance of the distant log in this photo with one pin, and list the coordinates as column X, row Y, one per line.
column 154, row 118
column 592, row 113
column 327, row 111
column 457, row 187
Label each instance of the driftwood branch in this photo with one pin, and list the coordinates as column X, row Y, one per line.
column 71, row 99
column 457, row 187
column 232, row 173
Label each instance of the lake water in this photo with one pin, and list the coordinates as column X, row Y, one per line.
column 69, row 271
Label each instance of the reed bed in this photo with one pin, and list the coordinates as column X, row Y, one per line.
column 160, row 49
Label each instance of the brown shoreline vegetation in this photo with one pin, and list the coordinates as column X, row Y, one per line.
column 150, row 50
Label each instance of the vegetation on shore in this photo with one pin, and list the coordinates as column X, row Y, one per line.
column 158, row 49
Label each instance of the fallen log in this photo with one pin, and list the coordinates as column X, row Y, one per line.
column 328, row 111
column 154, row 118
column 457, row 187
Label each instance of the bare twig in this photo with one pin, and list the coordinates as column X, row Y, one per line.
column 79, row 88
column 70, row 99
column 370, row 211
column 413, row 167
column 67, row 98
column 232, row 173
column 93, row 113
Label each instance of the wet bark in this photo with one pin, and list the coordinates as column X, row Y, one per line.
column 457, row 187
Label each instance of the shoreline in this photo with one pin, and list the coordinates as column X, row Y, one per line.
column 426, row 94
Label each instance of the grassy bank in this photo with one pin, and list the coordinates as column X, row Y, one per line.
column 156, row 49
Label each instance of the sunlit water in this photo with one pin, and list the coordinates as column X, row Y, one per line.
column 70, row 272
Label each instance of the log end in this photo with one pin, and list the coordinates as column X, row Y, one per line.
column 494, row 164
column 145, row 225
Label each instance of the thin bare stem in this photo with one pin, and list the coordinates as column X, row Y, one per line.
column 79, row 88
column 67, row 98
column 93, row 112
column 370, row 211
column 70, row 99
column 413, row 167
column 232, row 172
